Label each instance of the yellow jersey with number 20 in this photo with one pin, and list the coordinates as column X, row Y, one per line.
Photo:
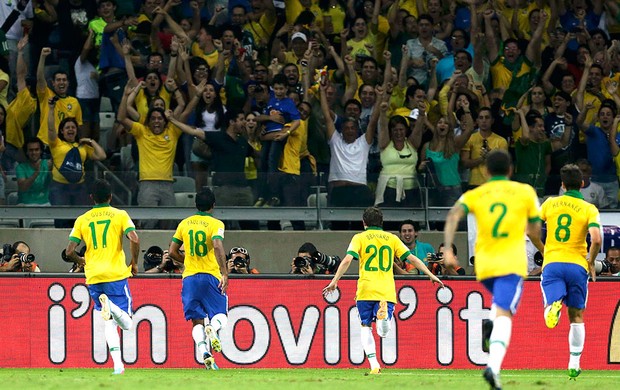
column 502, row 209
column 375, row 249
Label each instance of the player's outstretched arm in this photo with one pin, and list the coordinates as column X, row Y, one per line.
column 342, row 268
column 220, row 256
column 595, row 247
column 72, row 255
column 422, row 267
column 533, row 232
column 452, row 222
column 134, row 248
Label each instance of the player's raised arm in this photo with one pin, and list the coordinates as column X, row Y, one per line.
column 342, row 268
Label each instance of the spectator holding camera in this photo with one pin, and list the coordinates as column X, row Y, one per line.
column 310, row 261
column 611, row 264
column 408, row 233
column 436, row 264
column 238, row 261
column 157, row 261
column 17, row 258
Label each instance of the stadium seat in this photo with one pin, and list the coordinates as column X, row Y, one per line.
column 105, row 105
column 11, row 198
column 184, row 184
column 322, row 200
column 185, row 199
column 9, row 223
column 38, row 223
column 10, row 184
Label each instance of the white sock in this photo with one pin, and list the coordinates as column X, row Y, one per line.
column 368, row 343
column 121, row 317
column 114, row 343
column 384, row 327
column 576, row 339
column 198, row 334
column 219, row 321
column 500, row 339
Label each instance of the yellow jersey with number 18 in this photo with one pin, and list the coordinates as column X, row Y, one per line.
column 375, row 249
column 502, row 209
column 197, row 233
column 568, row 219
column 102, row 229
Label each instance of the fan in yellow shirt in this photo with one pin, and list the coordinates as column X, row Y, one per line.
column 375, row 250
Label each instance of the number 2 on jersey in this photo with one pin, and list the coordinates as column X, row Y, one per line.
column 104, row 235
column 501, row 207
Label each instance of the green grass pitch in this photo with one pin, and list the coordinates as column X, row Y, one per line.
column 340, row 379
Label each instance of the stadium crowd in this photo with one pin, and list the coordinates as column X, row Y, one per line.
column 263, row 99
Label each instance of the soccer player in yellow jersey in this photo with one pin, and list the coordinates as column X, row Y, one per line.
column 376, row 292
column 504, row 210
column 102, row 230
column 205, row 277
column 565, row 268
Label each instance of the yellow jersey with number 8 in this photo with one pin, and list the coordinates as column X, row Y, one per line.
column 502, row 209
column 568, row 219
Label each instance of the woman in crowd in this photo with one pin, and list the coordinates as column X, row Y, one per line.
column 69, row 154
column 398, row 184
column 441, row 156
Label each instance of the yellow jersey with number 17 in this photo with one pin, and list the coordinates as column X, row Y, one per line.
column 102, row 229
column 375, row 249
column 197, row 233
column 502, row 209
column 568, row 219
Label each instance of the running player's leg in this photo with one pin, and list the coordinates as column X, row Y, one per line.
column 553, row 287
column 192, row 292
column 217, row 310
column 576, row 300
column 366, row 311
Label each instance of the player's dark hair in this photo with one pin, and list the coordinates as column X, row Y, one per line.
column 205, row 199
column 415, row 225
column 101, row 191
column 498, row 162
column 571, row 177
column 373, row 217
column 307, row 247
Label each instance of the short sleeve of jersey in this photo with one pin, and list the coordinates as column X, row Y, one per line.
column 401, row 250
column 594, row 218
column 354, row 247
column 128, row 224
column 467, row 201
column 534, row 205
column 76, row 232
column 137, row 129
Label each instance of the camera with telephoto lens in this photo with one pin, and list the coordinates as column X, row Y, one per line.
column 26, row 257
column 239, row 261
column 602, row 266
column 302, row 262
column 329, row 263
column 435, row 257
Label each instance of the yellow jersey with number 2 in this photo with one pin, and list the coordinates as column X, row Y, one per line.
column 502, row 209
column 375, row 249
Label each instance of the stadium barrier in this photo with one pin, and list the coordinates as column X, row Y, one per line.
column 285, row 323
